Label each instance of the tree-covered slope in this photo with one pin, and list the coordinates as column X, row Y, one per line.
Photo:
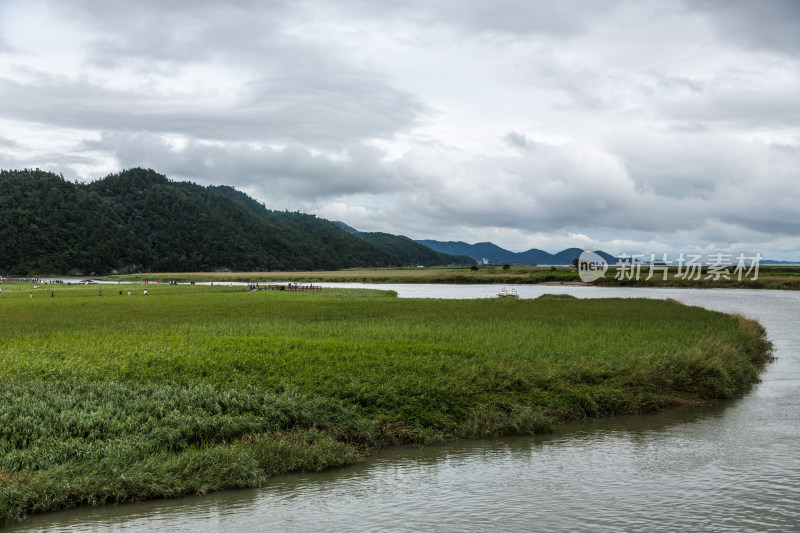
column 50, row 225
column 407, row 251
column 138, row 219
column 410, row 252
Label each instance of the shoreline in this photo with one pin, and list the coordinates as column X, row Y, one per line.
column 772, row 277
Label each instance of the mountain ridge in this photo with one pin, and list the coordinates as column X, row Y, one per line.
column 495, row 254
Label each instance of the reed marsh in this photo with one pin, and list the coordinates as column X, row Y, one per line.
column 190, row 389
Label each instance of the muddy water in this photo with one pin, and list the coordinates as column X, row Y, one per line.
column 733, row 466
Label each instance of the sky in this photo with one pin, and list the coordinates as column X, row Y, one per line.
column 639, row 126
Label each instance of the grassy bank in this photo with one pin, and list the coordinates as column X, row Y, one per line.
column 769, row 277
column 190, row 389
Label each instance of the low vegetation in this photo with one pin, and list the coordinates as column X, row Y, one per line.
column 769, row 277
column 190, row 389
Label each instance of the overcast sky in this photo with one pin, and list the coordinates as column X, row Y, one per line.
column 638, row 126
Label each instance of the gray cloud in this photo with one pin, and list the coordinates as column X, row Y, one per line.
column 56, row 162
column 337, row 108
column 504, row 18
column 770, row 25
column 514, row 17
column 517, row 140
column 740, row 107
column 624, row 123
column 577, row 187
column 8, row 143
column 176, row 31
column 292, row 173
column 289, row 89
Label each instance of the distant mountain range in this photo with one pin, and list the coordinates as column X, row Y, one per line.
column 494, row 254
column 406, row 250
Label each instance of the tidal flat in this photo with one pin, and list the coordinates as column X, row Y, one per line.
column 191, row 389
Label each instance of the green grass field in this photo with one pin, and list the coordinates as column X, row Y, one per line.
column 190, row 389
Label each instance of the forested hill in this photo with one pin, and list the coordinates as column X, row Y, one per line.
column 138, row 220
column 406, row 250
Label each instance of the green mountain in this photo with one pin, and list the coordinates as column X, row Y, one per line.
column 409, row 252
column 138, row 220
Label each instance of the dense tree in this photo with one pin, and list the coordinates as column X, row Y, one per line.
column 410, row 252
column 138, row 220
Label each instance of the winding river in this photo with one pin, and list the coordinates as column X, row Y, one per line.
column 732, row 466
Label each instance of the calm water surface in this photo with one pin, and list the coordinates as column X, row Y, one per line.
column 734, row 466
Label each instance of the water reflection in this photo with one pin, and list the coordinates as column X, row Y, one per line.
column 730, row 466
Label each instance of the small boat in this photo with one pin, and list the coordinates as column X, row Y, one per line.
column 508, row 294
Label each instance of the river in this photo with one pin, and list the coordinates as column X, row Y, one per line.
column 732, row 466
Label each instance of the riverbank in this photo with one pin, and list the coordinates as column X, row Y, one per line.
column 769, row 277
column 119, row 398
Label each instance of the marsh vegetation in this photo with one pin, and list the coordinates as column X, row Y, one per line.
column 769, row 277
column 191, row 389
